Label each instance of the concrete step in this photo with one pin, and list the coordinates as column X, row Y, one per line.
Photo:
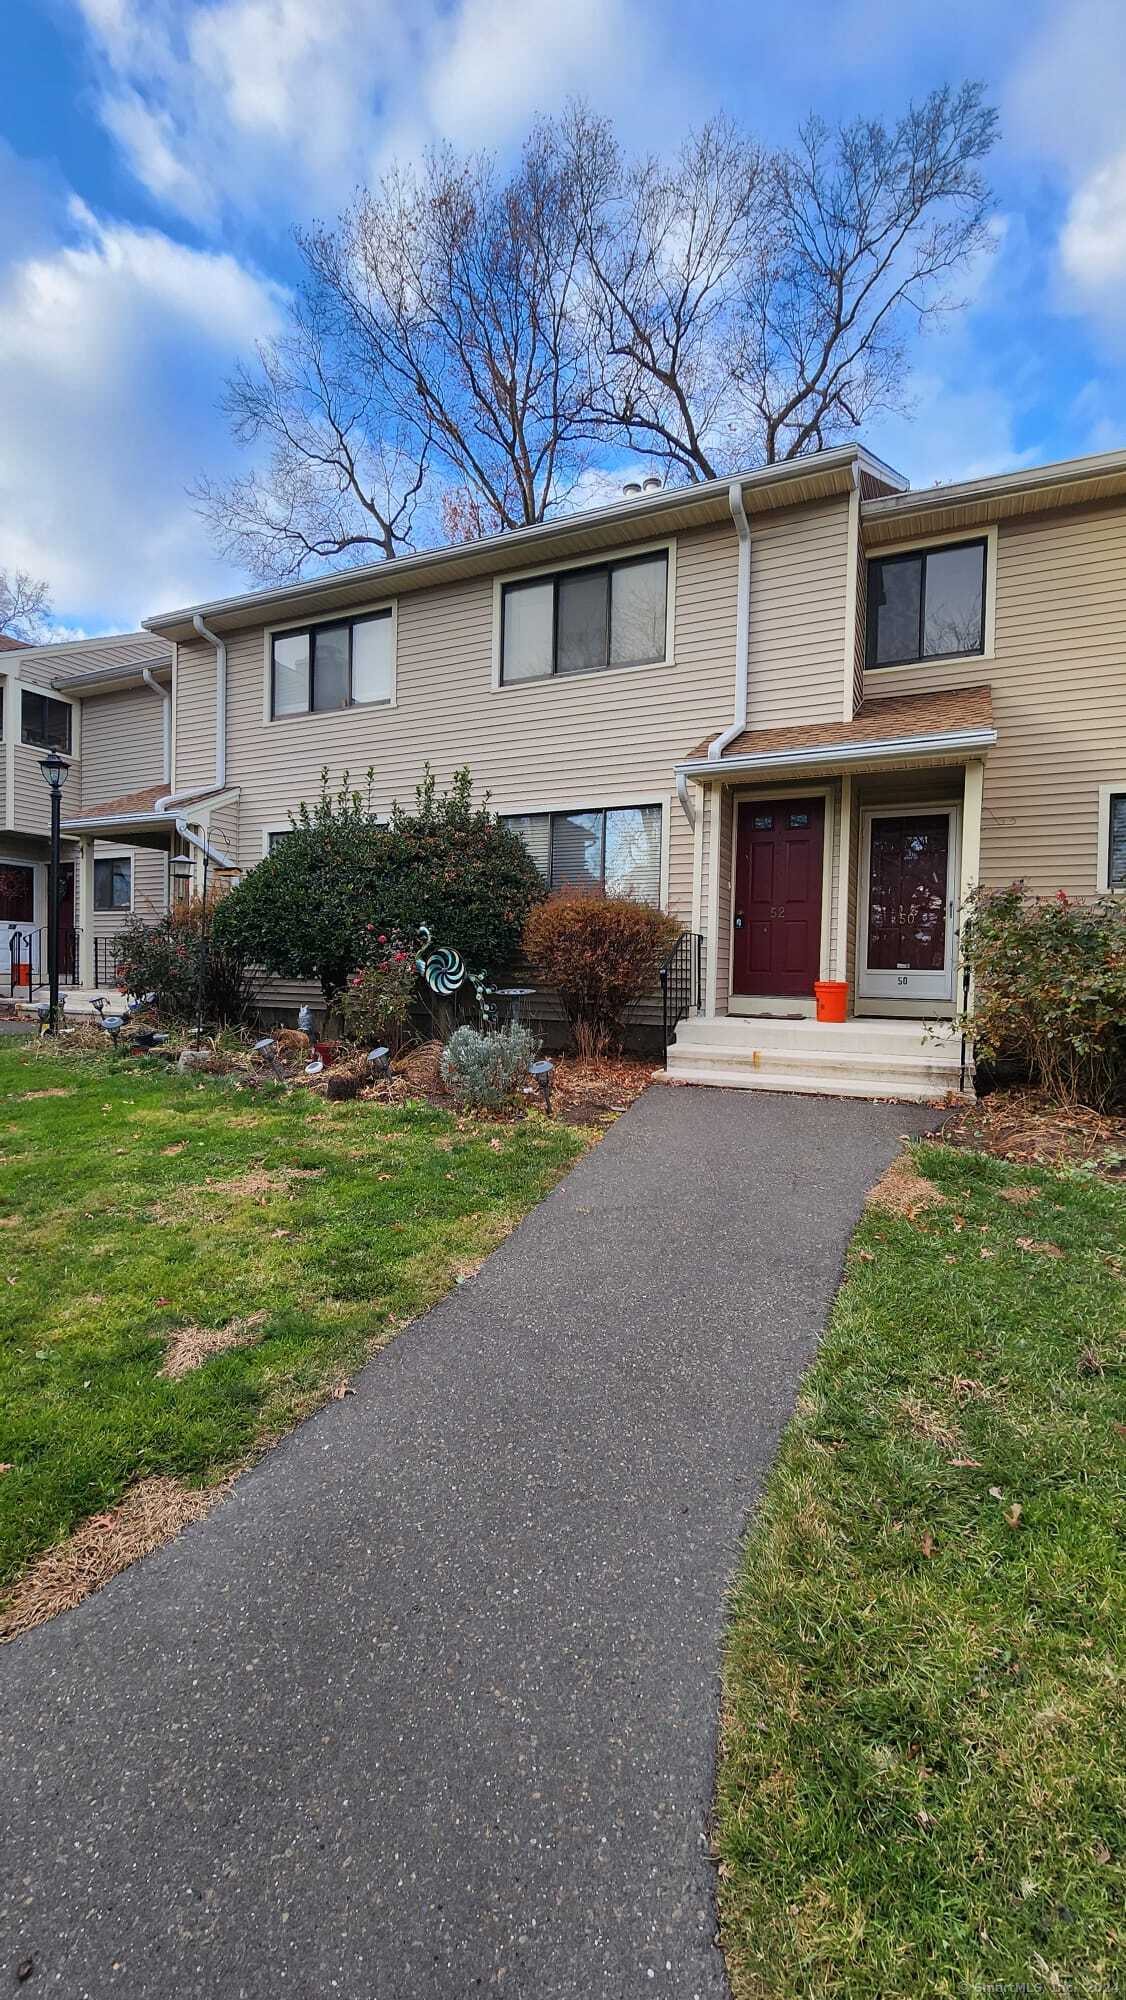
column 705, row 1055
column 842, row 1083
column 856, row 1037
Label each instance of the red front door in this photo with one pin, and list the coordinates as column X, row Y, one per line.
column 778, row 857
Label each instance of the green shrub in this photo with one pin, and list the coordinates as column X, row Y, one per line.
column 314, row 908
column 484, row 1067
column 165, row 958
column 376, row 1002
column 602, row 954
column 1050, row 989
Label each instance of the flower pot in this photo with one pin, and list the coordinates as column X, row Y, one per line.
column 832, row 999
column 327, row 1051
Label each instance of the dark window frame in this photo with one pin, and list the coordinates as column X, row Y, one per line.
column 309, row 633
column 922, row 556
column 1113, row 799
column 45, row 741
column 112, row 861
column 554, row 578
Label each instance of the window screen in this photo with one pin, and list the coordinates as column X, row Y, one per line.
column 928, row 604
column 334, row 666
column 113, row 883
column 602, row 615
column 1116, row 862
column 617, row 849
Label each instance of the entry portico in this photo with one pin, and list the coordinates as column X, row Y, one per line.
column 836, row 851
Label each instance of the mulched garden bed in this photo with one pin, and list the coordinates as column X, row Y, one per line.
column 1023, row 1127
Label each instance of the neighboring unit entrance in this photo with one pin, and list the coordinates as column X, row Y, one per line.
column 908, row 862
column 778, row 896
column 19, row 939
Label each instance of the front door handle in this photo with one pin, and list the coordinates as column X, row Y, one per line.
column 738, row 920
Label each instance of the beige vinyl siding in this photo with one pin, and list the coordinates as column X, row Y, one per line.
column 193, row 756
column 122, row 745
column 581, row 740
column 799, row 561
column 31, row 803
column 1059, row 695
column 565, row 743
column 150, row 880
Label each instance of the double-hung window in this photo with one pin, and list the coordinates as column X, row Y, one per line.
column 616, row 849
column 45, row 721
column 927, row 604
column 113, row 883
column 327, row 667
column 580, row 621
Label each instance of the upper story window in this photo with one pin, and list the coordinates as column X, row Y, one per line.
column 1116, row 842
column 580, row 620
column 113, row 883
column 46, row 722
column 927, row 604
column 617, row 850
column 327, row 667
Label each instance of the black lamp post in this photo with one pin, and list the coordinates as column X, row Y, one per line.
column 55, row 770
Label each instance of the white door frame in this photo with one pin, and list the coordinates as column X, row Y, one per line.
column 38, row 916
column 916, row 988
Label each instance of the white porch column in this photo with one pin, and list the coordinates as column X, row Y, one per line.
column 85, row 914
column 714, row 796
column 970, row 871
column 844, row 865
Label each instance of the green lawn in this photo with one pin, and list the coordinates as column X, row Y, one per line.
column 922, row 1766
column 134, row 1203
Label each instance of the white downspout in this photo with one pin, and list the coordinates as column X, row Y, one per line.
column 220, row 646
column 151, row 682
column 200, row 840
column 742, row 621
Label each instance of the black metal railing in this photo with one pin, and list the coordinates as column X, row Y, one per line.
column 27, row 959
column 682, row 984
column 107, row 961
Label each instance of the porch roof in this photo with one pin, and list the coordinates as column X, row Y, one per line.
column 956, row 719
column 130, row 814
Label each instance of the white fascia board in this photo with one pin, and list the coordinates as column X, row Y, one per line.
column 969, row 740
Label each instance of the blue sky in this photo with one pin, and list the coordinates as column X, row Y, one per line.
column 154, row 155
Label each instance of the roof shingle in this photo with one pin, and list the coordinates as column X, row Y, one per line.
column 875, row 721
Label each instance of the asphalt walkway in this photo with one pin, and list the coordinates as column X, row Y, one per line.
column 427, row 1707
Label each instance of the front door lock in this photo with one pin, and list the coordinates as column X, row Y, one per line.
column 738, row 920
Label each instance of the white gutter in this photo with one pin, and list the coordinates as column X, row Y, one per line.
column 843, row 753
column 220, row 646
column 742, row 621
column 151, row 681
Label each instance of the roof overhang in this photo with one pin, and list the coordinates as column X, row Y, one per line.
column 109, row 680
column 973, row 503
column 822, row 475
column 946, row 744
column 149, row 829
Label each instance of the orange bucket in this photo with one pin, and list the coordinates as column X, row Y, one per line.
column 832, row 999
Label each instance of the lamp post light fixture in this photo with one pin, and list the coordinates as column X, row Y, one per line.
column 55, row 770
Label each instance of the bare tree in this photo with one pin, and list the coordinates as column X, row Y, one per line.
column 752, row 308
column 341, row 479
column 467, row 343
column 25, row 604
column 438, row 330
column 460, row 289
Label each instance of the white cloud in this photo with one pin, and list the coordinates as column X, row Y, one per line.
column 1064, row 106
column 1093, row 244
column 112, row 346
column 274, row 109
